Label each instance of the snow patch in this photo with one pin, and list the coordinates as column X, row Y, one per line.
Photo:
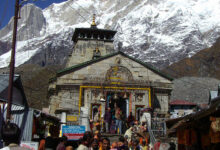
column 165, row 27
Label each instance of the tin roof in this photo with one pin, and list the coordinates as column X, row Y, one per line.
column 188, row 120
column 182, row 102
column 4, row 83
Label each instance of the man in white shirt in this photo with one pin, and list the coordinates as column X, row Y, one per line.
column 86, row 141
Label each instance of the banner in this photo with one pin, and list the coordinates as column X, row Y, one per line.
column 71, row 118
column 29, row 145
column 73, row 132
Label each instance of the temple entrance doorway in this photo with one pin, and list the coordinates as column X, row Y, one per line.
column 117, row 100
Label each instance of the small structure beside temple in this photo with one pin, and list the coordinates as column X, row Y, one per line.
column 179, row 108
column 199, row 130
column 33, row 123
column 213, row 94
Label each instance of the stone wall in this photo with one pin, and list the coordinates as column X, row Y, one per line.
column 65, row 99
column 69, row 97
column 83, row 51
column 163, row 99
column 100, row 69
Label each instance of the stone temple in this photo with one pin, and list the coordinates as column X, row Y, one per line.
column 97, row 77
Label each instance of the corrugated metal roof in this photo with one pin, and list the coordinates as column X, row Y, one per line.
column 4, row 80
column 181, row 102
column 18, row 97
column 23, row 118
column 186, row 121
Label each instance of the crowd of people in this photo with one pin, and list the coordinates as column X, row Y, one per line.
column 94, row 141
column 114, row 121
column 134, row 136
column 132, row 139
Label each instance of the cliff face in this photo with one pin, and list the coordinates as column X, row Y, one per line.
column 31, row 24
column 4, row 47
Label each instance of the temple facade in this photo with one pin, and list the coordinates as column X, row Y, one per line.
column 97, row 77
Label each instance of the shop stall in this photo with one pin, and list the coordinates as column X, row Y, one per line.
column 200, row 130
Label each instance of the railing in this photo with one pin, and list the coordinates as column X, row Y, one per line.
column 158, row 127
column 152, row 137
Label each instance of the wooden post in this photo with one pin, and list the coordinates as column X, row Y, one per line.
column 12, row 63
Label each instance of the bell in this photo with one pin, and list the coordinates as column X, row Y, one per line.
column 115, row 96
column 125, row 96
column 139, row 97
column 102, row 99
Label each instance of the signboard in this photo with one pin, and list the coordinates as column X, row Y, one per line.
column 73, row 132
column 29, row 145
column 71, row 118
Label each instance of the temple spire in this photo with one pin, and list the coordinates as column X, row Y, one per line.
column 93, row 25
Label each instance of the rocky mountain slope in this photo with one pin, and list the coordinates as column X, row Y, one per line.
column 159, row 32
column 35, row 80
column 194, row 89
column 203, row 71
column 206, row 63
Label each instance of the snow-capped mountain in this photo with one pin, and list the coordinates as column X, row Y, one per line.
column 159, row 32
